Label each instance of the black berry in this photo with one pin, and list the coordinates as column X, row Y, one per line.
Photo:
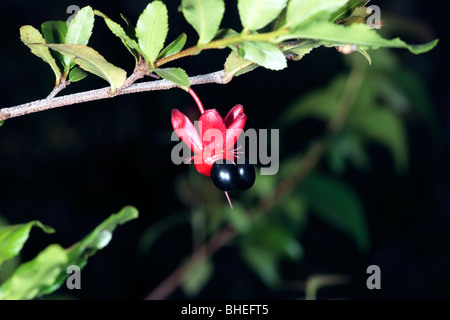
column 224, row 175
column 245, row 176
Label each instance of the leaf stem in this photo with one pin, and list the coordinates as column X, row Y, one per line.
column 222, row 43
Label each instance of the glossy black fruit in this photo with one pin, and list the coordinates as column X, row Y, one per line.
column 224, row 175
column 245, row 176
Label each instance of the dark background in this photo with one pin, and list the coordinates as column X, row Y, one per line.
column 72, row 167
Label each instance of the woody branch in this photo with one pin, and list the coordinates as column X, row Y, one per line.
column 104, row 93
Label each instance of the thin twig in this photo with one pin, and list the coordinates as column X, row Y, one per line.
column 310, row 160
column 61, row 86
column 217, row 241
column 104, row 93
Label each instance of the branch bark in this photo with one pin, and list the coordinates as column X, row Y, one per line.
column 52, row 102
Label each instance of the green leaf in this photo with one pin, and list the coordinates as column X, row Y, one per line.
column 79, row 253
column 320, row 103
column 117, row 30
column 151, row 30
column 339, row 206
column 256, row 14
column 301, row 11
column 12, row 238
column 347, row 146
column 32, row 277
column 2, row 123
column 30, row 36
column 348, row 9
column 174, row 47
column 197, row 277
column 79, row 31
column 263, row 261
column 48, row 271
column 262, row 53
column 54, row 31
column 297, row 51
column 263, row 248
column 386, row 128
column 131, row 29
column 175, row 75
column 238, row 218
column 205, row 16
column 235, row 66
column 358, row 34
column 80, row 28
column 90, row 60
column 100, row 237
column 77, row 74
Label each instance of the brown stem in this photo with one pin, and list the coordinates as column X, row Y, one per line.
column 62, row 85
column 104, row 93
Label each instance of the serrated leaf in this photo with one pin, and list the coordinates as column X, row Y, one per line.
column 91, row 61
column 256, row 14
column 131, row 29
column 34, row 276
column 338, row 205
column 100, row 236
column 118, row 31
column 79, row 253
column 12, row 238
column 79, row 30
column 302, row 11
column 197, row 277
column 151, row 30
column 77, row 74
column 262, row 53
column 205, row 16
column 175, row 75
column 174, row 47
column 48, row 271
column 235, row 65
column 348, row 9
column 30, row 36
column 54, row 31
column 330, row 34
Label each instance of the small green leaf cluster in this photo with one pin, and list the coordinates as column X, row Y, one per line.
column 273, row 31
